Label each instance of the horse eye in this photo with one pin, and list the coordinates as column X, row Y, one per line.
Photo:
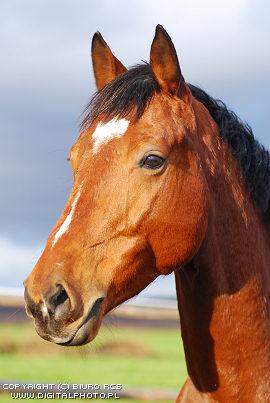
column 153, row 161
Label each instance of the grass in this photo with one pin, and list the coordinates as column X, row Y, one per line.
column 150, row 358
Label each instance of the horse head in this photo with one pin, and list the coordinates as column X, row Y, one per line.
column 138, row 205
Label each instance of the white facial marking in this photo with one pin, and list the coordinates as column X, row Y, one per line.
column 107, row 131
column 64, row 227
column 44, row 309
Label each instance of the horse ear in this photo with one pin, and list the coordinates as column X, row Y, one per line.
column 106, row 66
column 165, row 65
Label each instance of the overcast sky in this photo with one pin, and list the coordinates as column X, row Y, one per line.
column 46, row 79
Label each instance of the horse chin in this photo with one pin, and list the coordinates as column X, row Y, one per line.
column 85, row 333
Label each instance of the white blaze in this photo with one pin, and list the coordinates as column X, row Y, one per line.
column 64, row 227
column 107, row 131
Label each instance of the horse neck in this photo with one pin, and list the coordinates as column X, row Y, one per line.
column 223, row 294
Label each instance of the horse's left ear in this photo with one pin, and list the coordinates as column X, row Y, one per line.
column 165, row 65
column 106, row 66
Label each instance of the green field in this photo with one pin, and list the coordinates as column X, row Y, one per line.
column 149, row 358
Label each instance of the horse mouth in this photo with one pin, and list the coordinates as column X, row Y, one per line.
column 88, row 329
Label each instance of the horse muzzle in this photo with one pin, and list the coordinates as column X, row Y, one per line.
column 62, row 320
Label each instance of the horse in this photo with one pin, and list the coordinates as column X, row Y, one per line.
column 166, row 180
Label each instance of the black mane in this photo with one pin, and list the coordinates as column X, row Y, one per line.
column 130, row 94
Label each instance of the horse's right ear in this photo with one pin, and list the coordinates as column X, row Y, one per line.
column 165, row 66
column 106, row 66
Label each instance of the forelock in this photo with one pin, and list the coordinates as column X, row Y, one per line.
column 129, row 94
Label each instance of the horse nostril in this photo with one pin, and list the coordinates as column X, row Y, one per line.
column 58, row 304
column 60, row 297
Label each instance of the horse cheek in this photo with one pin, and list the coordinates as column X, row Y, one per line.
column 179, row 236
